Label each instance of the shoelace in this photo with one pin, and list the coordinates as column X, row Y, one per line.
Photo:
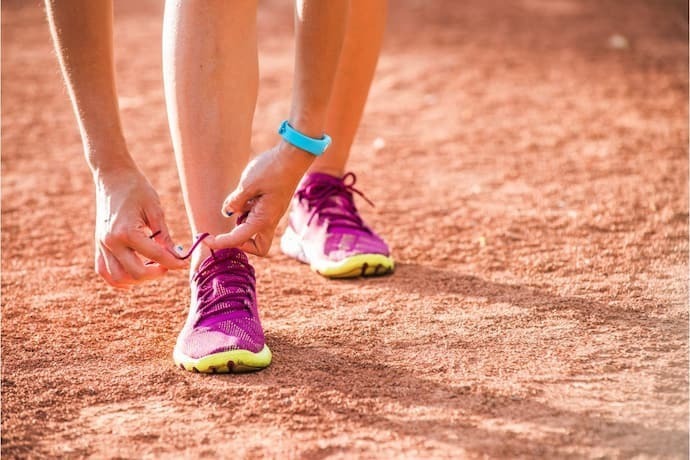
column 236, row 301
column 322, row 198
column 199, row 238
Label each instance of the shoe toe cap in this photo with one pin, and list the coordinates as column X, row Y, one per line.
column 201, row 342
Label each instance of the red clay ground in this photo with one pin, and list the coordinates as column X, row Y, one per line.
column 533, row 186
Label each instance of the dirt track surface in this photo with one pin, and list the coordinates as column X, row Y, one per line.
column 533, row 186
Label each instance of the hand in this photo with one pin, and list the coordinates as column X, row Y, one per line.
column 128, row 212
column 265, row 189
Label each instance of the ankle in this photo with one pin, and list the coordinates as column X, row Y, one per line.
column 201, row 253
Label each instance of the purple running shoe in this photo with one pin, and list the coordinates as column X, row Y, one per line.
column 223, row 332
column 326, row 231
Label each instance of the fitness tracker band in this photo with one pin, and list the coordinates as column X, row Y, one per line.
column 309, row 144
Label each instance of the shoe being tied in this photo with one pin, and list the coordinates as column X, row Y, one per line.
column 326, row 231
column 223, row 331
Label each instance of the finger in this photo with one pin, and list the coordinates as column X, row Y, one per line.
column 111, row 271
column 260, row 244
column 237, row 201
column 168, row 256
column 134, row 266
column 154, row 251
column 156, row 222
column 233, row 239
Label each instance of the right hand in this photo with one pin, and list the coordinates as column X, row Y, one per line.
column 128, row 212
column 266, row 187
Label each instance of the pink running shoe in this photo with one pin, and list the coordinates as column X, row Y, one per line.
column 326, row 231
column 223, row 332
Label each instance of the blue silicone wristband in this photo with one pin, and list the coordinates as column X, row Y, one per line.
column 309, row 144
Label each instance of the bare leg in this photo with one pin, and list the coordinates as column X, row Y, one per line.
column 210, row 68
column 338, row 244
column 355, row 72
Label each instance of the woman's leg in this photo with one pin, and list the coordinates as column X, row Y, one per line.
column 211, row 75
column 210, row 68
column 358, row 60
column 337, row 243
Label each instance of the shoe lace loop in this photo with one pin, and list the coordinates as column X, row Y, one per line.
column 333, row 200
column 235, row 277
column 199, row 238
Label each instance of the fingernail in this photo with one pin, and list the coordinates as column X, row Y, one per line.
column 226, row 213
column 179, row 249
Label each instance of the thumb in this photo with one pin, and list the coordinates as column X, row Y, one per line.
column 237, row 202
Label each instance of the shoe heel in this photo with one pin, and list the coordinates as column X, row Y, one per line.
column 291, row 246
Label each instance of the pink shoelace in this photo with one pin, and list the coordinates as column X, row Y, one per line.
column 225, row 290
column 199, row 238
column 322, row 198
column 197, row 241
column 235, row 302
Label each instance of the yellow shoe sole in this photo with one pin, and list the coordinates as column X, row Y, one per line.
column 234, row 361
column 351, row 267
column 359, row 265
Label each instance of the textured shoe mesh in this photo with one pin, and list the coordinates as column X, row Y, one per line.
column 329, row 200
column 225, row 315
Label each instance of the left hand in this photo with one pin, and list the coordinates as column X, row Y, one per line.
column 265, row 189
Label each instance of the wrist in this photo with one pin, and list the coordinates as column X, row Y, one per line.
column 311, row 124
column 315, row 146
column 295, row 160
column 109, row 162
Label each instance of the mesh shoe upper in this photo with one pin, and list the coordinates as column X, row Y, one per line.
column 224, row 313
column 324, row 215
